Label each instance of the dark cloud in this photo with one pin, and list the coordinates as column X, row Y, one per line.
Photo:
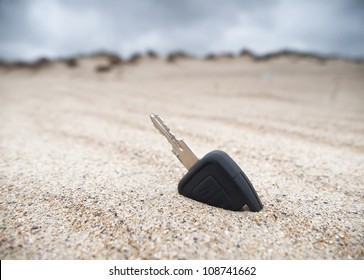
column 30, row 29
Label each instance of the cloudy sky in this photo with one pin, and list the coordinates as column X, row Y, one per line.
column 30, row 29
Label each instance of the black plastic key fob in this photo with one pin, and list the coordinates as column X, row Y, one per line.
column 218, row 181
column 215, row 179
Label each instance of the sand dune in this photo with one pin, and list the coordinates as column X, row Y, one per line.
column 85, row 175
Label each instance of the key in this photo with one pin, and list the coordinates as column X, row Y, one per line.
column 215, row 179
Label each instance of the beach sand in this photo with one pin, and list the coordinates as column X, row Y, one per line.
column 85, row 175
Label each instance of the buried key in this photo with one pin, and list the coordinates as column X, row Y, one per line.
column 215, row 179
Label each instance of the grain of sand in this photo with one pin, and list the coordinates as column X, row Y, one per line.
column 85, row 175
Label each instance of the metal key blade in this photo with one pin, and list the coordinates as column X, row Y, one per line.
column 166, row 132
column 179, row 147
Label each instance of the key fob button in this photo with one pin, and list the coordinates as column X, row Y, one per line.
column 210, row 191
column 248, row 192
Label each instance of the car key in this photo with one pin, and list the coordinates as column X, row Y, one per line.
column 215, row 179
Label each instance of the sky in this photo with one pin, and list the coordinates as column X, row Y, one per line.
column 30, row 29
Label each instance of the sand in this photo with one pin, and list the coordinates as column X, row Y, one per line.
column 85, row 175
